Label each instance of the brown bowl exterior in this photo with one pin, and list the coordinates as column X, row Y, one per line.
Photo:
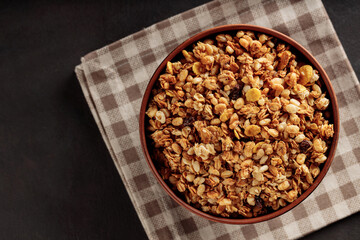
column 307, row 55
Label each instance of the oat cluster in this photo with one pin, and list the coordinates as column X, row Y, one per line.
column 238, row 126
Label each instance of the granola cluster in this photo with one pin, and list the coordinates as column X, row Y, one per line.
column 238, row 126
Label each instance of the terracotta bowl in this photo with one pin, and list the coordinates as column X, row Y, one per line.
column 305, row 55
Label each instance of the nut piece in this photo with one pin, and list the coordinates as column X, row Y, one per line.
column 160, row 116
column 239, row 103
column 306, row 73
column 292, row 129
column 284, row 185
column 284, row 59
column 197, row 68
column 291, row 108
column 251, row 200
column 169, row 68
column 177, row 121
column 255, row 191
column 299, row 138
column 253, row 95
column 300, row 159
column 252, row 130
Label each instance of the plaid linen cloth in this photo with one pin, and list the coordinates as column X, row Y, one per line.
column 114, row 79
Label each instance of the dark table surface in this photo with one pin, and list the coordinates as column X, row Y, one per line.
column 57, row 180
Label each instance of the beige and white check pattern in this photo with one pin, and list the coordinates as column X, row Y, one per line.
column 114, row 78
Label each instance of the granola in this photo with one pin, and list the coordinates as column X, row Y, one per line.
column 239, row 126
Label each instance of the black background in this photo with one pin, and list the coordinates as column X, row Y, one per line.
column 57, row 180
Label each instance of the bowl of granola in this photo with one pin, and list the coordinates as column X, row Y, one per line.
column 239, row 124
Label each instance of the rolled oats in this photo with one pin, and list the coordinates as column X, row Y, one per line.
column 237, row 125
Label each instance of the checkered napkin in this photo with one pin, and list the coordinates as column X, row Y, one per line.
column 114, row 79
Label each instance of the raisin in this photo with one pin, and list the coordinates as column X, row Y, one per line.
column 304, row 146
column 188, row 121
column 258, row 201
column 236, row 92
